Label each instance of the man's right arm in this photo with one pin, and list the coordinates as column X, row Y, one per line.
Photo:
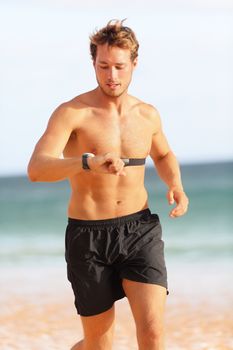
column 45, row 163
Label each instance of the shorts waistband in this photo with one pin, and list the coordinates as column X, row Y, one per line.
column 111, row 221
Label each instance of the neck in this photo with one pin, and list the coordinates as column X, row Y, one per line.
column 112, row 103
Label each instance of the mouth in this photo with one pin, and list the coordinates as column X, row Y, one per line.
column 113, row 86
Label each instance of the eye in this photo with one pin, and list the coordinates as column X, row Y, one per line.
column 103, row 67
column 119, row 67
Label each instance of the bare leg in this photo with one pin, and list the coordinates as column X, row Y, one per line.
column 78, row 346
column 147, row 302
column 98, row 331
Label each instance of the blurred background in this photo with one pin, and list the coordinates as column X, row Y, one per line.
column 185, row 70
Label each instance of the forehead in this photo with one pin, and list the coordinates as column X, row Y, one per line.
column 112, row 54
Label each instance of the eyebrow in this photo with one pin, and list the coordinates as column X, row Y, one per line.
column 117, row 64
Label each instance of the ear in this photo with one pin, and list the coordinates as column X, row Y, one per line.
column 135, row 62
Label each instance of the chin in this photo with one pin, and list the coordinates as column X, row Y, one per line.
column 113, row 93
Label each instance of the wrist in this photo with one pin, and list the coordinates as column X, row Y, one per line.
column 177, row 188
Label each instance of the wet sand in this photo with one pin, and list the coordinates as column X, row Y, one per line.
column 37, row 313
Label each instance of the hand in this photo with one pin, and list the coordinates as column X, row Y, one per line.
column 181, row 199
column 109, row 163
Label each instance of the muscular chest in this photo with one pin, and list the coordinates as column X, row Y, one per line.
column 128, row 137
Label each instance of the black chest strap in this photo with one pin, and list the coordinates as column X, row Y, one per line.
column 134, row 161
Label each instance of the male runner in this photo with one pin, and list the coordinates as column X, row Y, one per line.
column 114, row 245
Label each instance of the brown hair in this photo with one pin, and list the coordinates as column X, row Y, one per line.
column 114, row 34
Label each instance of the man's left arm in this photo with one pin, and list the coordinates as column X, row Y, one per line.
column 168, row 168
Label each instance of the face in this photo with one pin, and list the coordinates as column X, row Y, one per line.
column 114, row 69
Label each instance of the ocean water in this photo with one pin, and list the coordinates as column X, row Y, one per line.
column 33, row 217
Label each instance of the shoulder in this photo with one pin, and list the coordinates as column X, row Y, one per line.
column 150, row 113
column 70, row 110
column 146, row 109
column 76, row 104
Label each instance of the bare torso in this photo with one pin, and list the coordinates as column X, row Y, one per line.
column 102, row 196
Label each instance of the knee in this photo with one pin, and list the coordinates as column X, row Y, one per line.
column 100, row 342
column 150, row 334
column 78, row 346
column 103, row 342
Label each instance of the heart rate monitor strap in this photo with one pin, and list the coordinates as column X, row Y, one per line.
column 134, row 161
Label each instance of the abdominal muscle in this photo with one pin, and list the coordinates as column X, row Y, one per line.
column 104, row 196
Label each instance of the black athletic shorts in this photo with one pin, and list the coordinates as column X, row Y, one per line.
column 99, row 253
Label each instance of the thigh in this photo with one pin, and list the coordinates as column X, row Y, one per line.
column 98, row 331
column 147, row 302
column 95, row 284
column 99, row 325
column 144, row 261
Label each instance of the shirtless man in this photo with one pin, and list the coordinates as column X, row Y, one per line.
column 113, row 242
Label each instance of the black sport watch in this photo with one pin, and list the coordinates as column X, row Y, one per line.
column 84, row 160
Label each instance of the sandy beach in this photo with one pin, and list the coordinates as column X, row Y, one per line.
column 37, row 312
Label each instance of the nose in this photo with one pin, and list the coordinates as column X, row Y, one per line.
column 112, row 74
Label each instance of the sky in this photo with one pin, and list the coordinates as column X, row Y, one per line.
column 185, row 70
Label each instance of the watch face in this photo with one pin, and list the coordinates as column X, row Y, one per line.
column 85, row 156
